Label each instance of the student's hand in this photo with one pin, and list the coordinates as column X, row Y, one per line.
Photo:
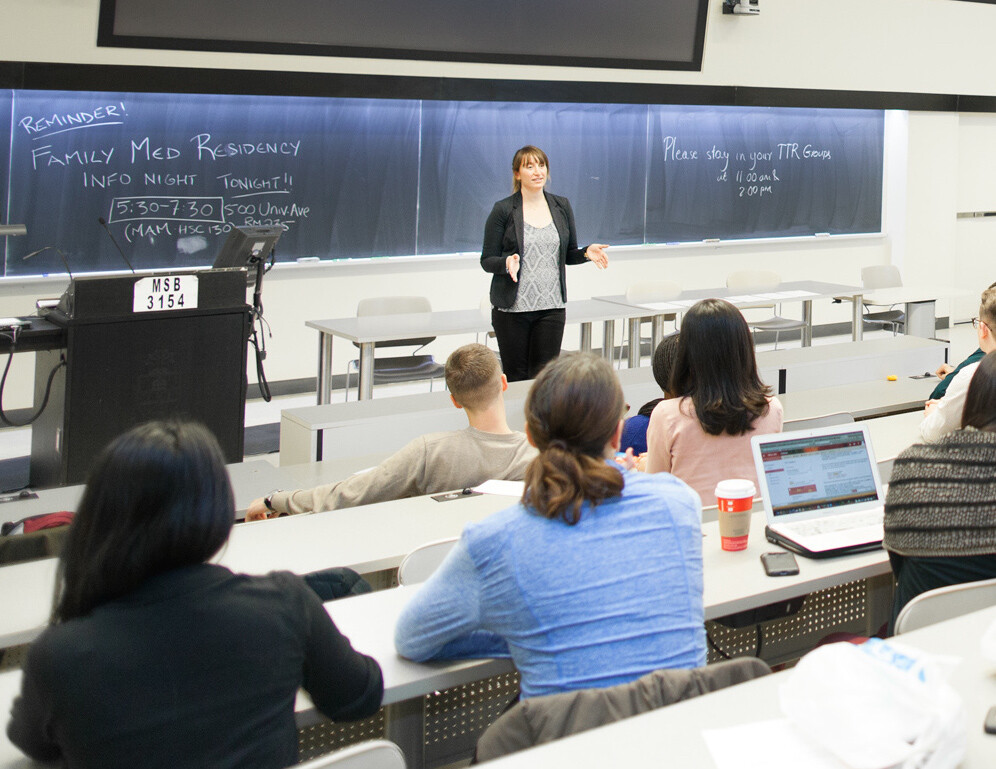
column 631, row 461
column 943, row 370
column 512, row 266
column 929, row 406
column 258, row 511
column 627, row 460
column 595, row 253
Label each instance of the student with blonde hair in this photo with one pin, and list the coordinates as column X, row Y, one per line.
column 486, row 449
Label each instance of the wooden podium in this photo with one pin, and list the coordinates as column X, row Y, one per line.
column 141, row 347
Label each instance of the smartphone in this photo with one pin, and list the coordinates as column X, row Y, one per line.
column 779, row 564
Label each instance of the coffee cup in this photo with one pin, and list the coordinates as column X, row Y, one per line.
column 735, row 498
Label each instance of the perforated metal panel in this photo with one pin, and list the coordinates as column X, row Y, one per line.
column 456, row 717
column 314, row 741
column 842, row 608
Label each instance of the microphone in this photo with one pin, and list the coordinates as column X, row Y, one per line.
column 103, row 223
column 59, row 251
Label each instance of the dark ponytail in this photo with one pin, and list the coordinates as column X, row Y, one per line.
column 572, row 411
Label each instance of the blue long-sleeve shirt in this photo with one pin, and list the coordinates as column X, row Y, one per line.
column 591, row 605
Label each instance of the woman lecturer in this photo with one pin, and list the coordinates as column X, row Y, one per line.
column 528, row 239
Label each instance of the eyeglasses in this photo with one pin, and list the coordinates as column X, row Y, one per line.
column 977, row 321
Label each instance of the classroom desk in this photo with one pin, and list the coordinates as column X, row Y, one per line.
column 368, row 330
column 252, row 479
column 918, row 305
column 732, row 582
column 675, row 732
column 343, row 430
column 367, row 539
column 804, row 291
column 807, row 368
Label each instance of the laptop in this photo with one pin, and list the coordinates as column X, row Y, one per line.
column 821, row 490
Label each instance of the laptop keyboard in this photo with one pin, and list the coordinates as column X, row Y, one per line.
column 818, row 526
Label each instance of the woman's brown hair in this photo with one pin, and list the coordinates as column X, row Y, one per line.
column 715, row 367
column 529, row 152
column 572, row 411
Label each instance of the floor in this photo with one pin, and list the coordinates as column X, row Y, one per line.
column 16, row 442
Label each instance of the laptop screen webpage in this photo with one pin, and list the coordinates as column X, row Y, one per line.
column 818, row 472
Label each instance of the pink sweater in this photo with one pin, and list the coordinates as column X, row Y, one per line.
column 676, row 443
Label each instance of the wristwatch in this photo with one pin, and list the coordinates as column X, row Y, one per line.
column 268, row 501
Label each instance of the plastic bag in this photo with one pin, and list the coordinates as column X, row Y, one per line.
column 878, row 705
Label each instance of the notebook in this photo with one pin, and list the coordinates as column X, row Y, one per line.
column 821, row 490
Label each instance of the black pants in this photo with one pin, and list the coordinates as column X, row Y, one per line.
column 527, row 341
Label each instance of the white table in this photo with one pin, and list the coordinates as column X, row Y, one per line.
column 368, row 330
column 367, row 539
column 346, row 430
column 733, row 582
column 252, row 479
column 918, row 305
column 804, row 291
column 672, row 736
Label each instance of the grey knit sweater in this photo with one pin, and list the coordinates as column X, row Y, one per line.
column 942, row 497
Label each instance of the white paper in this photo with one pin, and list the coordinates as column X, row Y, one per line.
column 774, row 744
column 745, row 299
column 502, row 488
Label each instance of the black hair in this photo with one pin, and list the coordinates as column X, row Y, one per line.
column 572, row 411
column 980, row 400
column 716, row 368
column 157, row 498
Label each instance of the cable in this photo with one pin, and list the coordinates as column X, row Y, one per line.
column 726, row 656
column 3, row 383
column 258, row 340
column 715, row 647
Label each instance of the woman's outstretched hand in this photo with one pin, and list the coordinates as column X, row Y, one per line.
column 595, row 253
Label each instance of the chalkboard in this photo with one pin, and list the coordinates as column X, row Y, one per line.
column 172, row 174
column 763, row 172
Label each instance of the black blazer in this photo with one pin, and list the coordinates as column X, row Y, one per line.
column 503, row 236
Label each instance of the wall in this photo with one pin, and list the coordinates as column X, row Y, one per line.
column 932, row 46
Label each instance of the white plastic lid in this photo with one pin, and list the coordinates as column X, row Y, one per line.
column 735, row 488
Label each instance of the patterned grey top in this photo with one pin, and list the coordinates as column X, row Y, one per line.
column 539, row 271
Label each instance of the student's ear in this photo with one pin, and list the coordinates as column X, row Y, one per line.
column 504, row 383
column 616, row 440
column 529, row 436
column 455, row 402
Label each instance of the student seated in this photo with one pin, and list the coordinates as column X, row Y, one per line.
column 703, row 434
column 594, row 579
column 940, row 526
column 942, row 416
column 634, row 436
column 486, row 449
column 157, row 658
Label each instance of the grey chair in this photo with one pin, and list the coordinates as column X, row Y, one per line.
column 882, row 276
column 375, row 754
column 763, row 282
column 946, row 603
column 399, row 368
column 649, row 292
column 421, row 562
